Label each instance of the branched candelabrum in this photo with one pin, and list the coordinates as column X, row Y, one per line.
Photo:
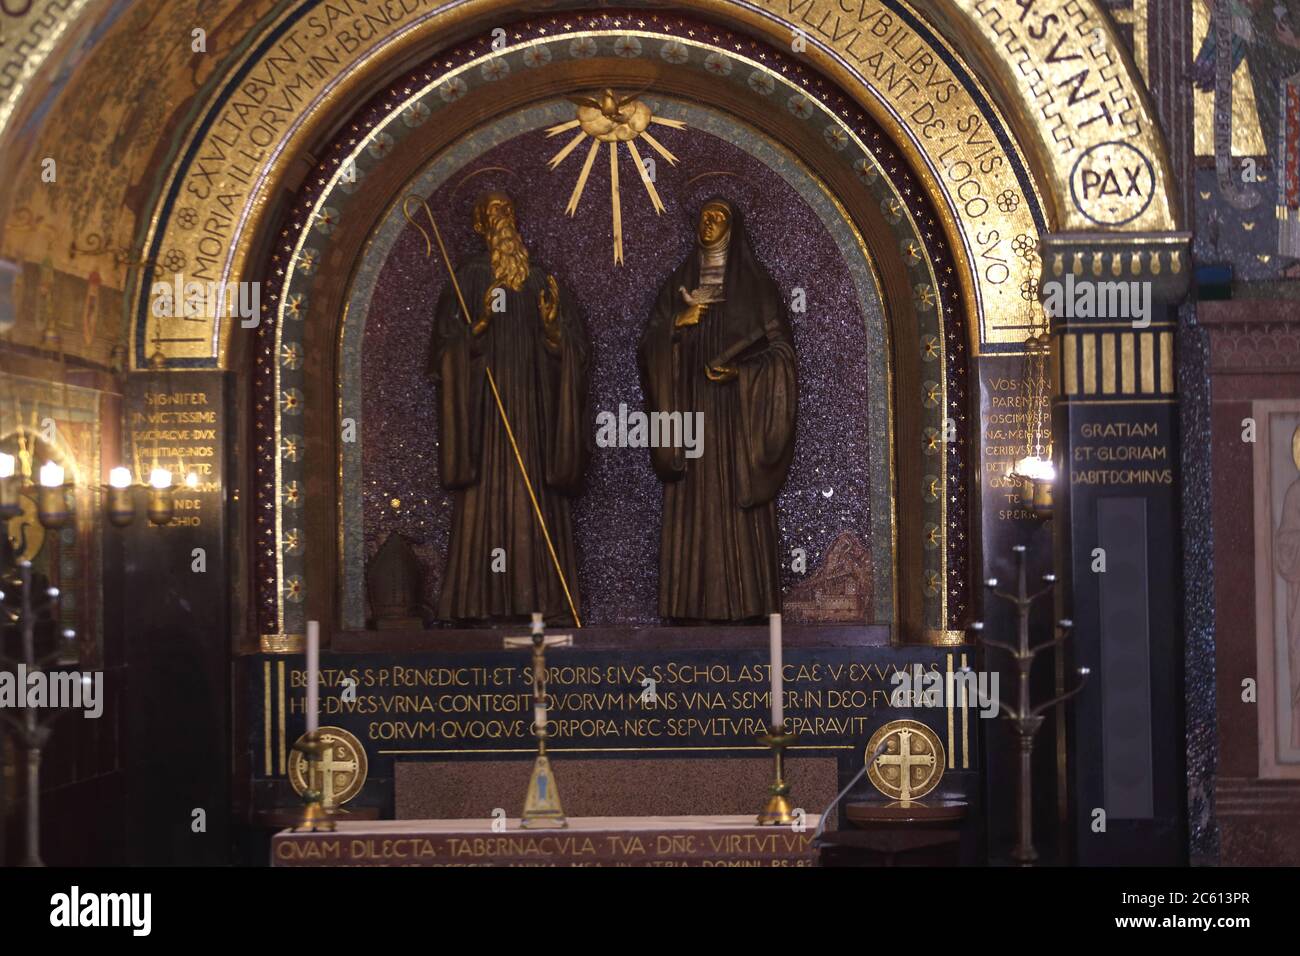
column 1027, row 718
column 30, row 729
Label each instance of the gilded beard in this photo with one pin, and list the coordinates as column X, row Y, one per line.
column 506, row 248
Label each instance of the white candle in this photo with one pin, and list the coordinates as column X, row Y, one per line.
column 313, row 676
column 774, row 636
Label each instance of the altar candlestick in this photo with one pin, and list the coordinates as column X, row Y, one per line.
column 313, row 676
column 774, row 635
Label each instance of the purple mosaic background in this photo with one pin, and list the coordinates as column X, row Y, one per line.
column 617, row 518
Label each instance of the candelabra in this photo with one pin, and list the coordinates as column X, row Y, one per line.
column 30, row 605
column 33, row 605
column 1025, row 718
column 51, row 494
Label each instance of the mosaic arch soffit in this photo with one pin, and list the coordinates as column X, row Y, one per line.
column 1059, row 93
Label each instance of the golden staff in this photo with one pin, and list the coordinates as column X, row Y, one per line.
column 496, row 395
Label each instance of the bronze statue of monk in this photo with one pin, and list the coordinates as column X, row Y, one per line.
column 527, row 330
column 719, row 342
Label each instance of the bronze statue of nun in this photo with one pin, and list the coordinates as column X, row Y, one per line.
column 719, row 343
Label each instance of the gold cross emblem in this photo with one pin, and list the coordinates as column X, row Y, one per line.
column 912, row 763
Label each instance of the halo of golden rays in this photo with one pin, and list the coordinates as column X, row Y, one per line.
column 613, row 119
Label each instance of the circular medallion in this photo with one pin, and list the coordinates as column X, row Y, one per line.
column 912, row 762
column 1113, row 183
column 342, row 771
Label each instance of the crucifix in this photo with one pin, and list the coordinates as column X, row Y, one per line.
column 542, row 805
column 905, row 760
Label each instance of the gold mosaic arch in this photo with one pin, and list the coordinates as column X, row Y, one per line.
column 1080, row 119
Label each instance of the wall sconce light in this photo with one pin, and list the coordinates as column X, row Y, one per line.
column 1036, row 477
column 52, row 502
column 160, row 496
column 9, row 506
column 121, row 501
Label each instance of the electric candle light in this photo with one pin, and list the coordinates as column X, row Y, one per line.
column 51, row 475
column 121, row 506
column 160, row 496
column 313, row 676
column 52, row 503
column 9, row 506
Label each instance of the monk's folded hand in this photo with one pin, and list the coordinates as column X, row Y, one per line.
column 720, row 373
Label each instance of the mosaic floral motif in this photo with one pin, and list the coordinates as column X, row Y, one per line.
column 291, row 355
column 417, row 114
column 495, row 69
column 293, row 541
column 292, row 494
column 931, row 583
column 835, row 137
column 308, row 261
column 932, row 393
column 453, row 89
column 931, row 534
column 931, row 440
column 675, row 52
column 327, row 219
column 717, row 64
column 929, row 348
column 923, row 296
column 582, row 47
column 536, row 56
column 293, row 588
column 295, row 305
column 867, row 170
column 911, row 250
column 892, row 210
column 291, row 401
column 291, row 447
column 627, row 47
column 761, row 83
column 930, row 487
column 800, row 106
column 380, row 146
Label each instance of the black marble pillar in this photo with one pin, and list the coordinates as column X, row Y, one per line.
column 176, row 624
column 1118, row 540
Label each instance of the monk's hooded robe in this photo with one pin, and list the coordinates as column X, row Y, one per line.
column 718, row 558
column 544, row 390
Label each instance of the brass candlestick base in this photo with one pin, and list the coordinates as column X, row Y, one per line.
column 542, row 808
column 316, row 817
column 778, row 811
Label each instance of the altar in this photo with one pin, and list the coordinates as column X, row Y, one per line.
column 719, row 841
